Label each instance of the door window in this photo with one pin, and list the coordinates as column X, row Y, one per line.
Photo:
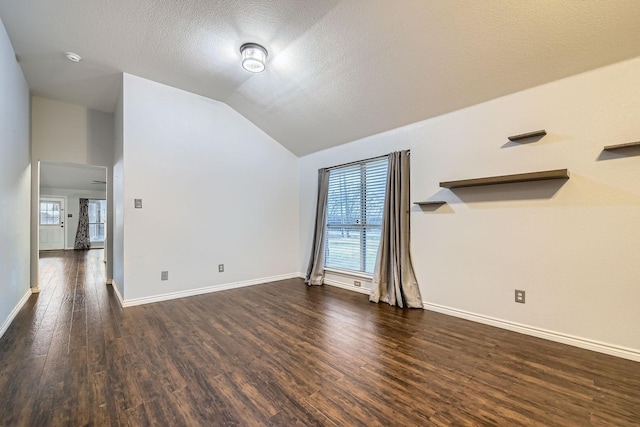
column 49, row 213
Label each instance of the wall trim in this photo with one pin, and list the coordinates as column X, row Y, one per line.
column 587, row 344
column 205, row 290
column 14, row 312
column 117, row 292
column 347, row 287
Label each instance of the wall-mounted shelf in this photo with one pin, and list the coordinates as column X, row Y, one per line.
column 527, row 135
column 508, row 179
column 430, row 203
column 619, row 146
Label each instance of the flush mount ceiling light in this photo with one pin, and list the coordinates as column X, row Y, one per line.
column 73, row 57
column 253, row 57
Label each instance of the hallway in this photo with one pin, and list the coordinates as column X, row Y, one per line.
column 56, row 343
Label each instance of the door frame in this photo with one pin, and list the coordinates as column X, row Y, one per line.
column 63, row 218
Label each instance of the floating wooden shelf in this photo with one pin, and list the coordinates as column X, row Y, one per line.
column 430, row 203
column 507, row 179
column 527, row 135
column 619, row 146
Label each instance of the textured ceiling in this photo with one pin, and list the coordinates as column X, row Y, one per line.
column 337, row 70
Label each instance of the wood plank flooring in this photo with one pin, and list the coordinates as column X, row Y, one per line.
column 283, row 354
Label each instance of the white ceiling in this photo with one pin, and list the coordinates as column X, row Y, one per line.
column 73, row 177
column 337, row 70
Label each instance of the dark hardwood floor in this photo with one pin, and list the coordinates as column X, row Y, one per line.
column 283, row 354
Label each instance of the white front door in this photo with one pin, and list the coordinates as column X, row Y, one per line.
column 52, row 218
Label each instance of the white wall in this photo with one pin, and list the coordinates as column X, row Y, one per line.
column 15, row 181
column 215, row 190
column 68, row 133
column 116, row 245
column 72, row 208
column 71, row 133
column 573, row 248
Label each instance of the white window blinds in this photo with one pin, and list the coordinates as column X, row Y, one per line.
column 97, row 218
column 354, row 215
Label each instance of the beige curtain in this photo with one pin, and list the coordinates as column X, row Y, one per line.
column 394, row 280
column 315, row 271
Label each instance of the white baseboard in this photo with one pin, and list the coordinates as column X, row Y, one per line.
column 114, row 285
column 14, row 313
column 205, row 290
column 600, row 347
column 109, row 282
column 346, row 286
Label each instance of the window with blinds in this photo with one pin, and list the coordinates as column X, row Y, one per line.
column 97, row 218
column 354, row 215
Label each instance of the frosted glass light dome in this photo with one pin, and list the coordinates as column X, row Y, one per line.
column 253, row 57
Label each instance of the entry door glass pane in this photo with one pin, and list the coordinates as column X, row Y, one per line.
column 49, row 213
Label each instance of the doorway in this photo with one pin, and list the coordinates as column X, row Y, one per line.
column 62, row 186
column 71, row 182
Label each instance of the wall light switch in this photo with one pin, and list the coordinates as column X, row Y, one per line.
column 137, row 203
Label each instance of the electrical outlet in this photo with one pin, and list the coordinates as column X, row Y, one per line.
column 164, row 275
column 137, row 203
column 220, row 268
column 357, row 284
column 520, row 296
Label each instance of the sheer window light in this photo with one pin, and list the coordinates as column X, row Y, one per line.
column 354, row 215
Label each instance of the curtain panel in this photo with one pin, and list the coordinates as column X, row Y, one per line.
column 315, row 271
column 82, row 235
column 394, row 280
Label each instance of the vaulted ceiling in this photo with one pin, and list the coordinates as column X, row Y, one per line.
column 336, row 71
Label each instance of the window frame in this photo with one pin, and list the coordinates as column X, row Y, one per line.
column 361, row 224
column 102, row 223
